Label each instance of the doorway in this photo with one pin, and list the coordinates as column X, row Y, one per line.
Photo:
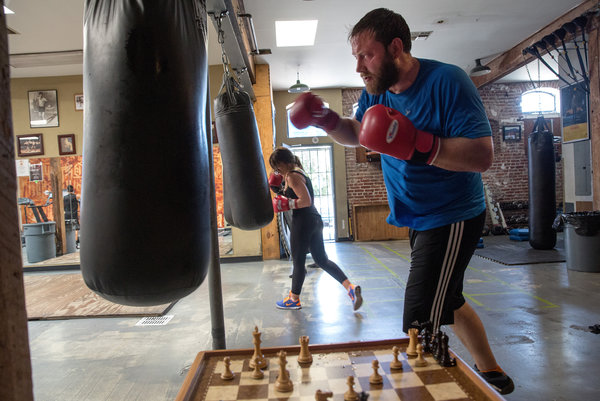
column 318, row 164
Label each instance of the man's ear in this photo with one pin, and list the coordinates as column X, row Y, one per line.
column 396, row 47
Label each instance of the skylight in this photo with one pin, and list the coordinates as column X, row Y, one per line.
column 295, row 33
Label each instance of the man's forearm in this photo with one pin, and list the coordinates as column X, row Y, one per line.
column 346, row 132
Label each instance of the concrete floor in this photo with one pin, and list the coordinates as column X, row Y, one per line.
column 536, row 316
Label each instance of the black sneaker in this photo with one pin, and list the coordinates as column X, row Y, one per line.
column 500, row 381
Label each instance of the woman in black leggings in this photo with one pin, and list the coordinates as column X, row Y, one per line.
column 306, row 234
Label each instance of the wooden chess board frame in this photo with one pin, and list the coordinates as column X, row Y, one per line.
column 196, row 382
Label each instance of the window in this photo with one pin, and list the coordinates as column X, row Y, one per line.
column 307, row 132
column 540, row 100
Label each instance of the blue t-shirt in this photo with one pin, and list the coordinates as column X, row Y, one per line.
column 444, row 102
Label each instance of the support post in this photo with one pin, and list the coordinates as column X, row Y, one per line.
column 15, row 364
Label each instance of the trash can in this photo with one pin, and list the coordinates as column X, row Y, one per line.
column 70, row 228
column 582, row 240
column 39, row 241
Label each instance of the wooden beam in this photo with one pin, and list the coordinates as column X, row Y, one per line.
column 514, row 59
column 15, row 365
column 263, row 109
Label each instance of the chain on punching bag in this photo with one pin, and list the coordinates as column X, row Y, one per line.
column 246, row 198
column 542, row 186
column 145, row 221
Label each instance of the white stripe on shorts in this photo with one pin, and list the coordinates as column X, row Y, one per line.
column 453, row 246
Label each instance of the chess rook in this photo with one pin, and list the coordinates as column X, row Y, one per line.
column 304, row 356
column 413, row 334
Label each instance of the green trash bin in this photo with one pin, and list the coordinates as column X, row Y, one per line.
column 582, row 240
column 39, row 241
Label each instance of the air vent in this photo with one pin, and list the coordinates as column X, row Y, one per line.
column 423, row 35
column 154, row 320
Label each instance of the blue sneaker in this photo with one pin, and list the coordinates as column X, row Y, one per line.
column 355, row 295
column 289, row 303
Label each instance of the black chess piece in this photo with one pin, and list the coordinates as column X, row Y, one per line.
column 362, row 396
column 445, row 359
column 426, row 334
column 436, row 345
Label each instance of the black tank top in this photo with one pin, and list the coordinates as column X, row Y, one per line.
column 289, row 193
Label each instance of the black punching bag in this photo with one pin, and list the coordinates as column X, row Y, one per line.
column 246, row 198
column 145, row 221
column 542, row 187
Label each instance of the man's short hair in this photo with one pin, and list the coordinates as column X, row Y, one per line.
column 386, row 25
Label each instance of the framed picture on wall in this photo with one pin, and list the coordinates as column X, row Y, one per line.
column 66, row 144
column 43, row 108
column 511, row 133
column 79, row 102
column 30, row 145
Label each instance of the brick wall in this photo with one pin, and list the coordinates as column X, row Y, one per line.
column 507, row 179
column 364, row 181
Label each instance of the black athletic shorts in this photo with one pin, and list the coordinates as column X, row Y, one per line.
column 435, row 282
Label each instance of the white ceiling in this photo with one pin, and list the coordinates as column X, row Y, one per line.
column 463, row 30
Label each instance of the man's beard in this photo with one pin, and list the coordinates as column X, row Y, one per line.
column 384, row 79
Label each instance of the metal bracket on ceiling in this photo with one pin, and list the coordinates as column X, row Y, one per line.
column 233, row 45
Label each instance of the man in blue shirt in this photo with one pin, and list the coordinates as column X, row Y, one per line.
column 427, row 120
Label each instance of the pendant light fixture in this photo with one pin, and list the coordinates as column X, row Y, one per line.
column 479, row 69
column 298, row 87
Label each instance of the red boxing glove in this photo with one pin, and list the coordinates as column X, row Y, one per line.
column 309, row 109
column 388, row 131
column 281, row 203
column 275, row 182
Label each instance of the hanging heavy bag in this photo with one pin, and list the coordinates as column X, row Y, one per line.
column 542, row 187
column 246, row 197
column 145, row 221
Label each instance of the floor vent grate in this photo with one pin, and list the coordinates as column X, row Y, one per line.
column 154, row 320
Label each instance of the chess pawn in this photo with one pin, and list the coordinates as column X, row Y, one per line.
column 420, row 361
column 304, row 356
column 350, row 395
column 262, row 362
column 257, row 373
column 375, row 378
column 227, row 373
column 396, row 364
column 413, row 334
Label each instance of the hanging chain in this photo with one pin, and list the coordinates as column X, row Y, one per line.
column 528, row 73
column 221, row 39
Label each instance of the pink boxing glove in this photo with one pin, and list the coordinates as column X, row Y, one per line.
column 309, row 109
column 388, row 131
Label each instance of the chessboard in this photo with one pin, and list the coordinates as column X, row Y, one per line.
column 329, row 371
